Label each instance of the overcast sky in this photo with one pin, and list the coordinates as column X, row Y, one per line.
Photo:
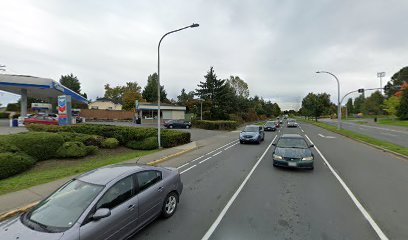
column 275, row 46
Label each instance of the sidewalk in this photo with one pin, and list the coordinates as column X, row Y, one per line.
column 19, row 199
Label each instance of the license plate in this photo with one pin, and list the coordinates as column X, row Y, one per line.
column 292, row 164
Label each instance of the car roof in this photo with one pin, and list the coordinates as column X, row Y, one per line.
column 292, row 135
column 104, row 175
column 252, row 126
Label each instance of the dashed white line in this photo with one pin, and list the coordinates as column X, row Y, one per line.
column 224, row 211
column 230, row 146
column 188, row 169
column 217, row 153
column 183, row 165
column 373, row 224
column 204, row 160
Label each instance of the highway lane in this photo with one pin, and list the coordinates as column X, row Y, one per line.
column 279, row 203
column 207, row 187
column 398, row 137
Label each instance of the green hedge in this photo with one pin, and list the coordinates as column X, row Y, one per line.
column 110, row 143
column 5, row 146
column 216, row 125
column 4, row 115
column 14, row 163
column 149, row 143
column 87, row 139
column 75, row 150
column 123, row 134
column 39, row 145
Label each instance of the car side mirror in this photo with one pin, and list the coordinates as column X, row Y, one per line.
column 274, row 144
column 101, row 213
column 311, row 145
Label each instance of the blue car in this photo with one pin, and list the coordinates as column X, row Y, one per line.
column 252, row 134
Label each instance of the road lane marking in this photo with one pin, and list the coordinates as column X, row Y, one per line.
column 230, row 146
column 183, row 165
column 217, row 221
column 217, row 153
column 188, row 169
column 213, row 151
column 388, row 134
column 302, row 130
column 373, row 224
column 204, row 160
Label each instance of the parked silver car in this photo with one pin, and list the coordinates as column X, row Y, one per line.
column 112, row 202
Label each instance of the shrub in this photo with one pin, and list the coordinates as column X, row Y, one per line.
column 5, row 146
column 216, row 125
column 171, row 138
column 75, row 150
column 110, row 143
column 149, row 143
column 43, row 128
column 39, row 145
column 4, row 115
column 14, row 163
column 88, row 140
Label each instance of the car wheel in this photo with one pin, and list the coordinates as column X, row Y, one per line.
column 170, row 205
column 187, row 126
column 259, row 141
column 241, row 142
column 171, row 126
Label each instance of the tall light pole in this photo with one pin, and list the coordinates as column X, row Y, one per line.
column 158, row 78
column 201, row 109
column 338, row 99
column 380, row 75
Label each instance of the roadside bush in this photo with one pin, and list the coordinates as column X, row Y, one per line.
column 171, row 138
column 14, row 163
column 75, row 150
column 215, row 125
column 149, row 143
column 88, row 140
column 5, row 146
column 110, row 143
column 43, row 128
column 39, row 145
column 4, row 115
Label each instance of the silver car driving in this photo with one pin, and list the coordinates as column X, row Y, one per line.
column 112, row 202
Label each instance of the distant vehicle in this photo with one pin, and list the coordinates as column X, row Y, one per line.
column 292, row 150
column 269, row 126
column 252, row 134
column 292, row 123
column 75, row 115
column 277, row 124
column 180, row 123
column 111, row 202
column 41, row 119
column 281, row 121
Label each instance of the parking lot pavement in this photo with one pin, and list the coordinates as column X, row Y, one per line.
column 196, row 133
column 6, row 129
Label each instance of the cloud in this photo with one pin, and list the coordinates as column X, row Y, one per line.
column 276, row 46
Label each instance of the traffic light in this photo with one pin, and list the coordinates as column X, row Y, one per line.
column 361, row 90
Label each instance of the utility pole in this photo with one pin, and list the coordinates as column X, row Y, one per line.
column 380, row 75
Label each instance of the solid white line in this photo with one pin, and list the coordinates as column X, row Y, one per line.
column 373, row 224
column 230, row 146
column 217, row 153
column 204, row 160
column 188, row 169
column 198, row 158
column 183, row 165
column 217, row 221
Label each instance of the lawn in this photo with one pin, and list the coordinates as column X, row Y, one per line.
column 394, row 122
column 50, row 170
column 364, row 138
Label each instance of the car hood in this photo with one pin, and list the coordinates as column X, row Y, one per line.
column 293, row 152
column 14, row 229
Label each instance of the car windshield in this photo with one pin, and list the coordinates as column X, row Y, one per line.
column 292, row 143
column 251, row 129
column 62, row 209
column 269, row 124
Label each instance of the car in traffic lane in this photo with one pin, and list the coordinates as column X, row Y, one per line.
column 291, row 123
column 270, row 126
column 292, row 150
column 180, row 123
column 111, row 202
column 252, row 134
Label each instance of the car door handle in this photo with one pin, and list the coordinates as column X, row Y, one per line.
column 160, row 189
column 131, row 207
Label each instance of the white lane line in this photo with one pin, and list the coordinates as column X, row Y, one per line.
column 302, row 130
column 217, row 153
column 204, row 160
column 183, row 165
column 217, row 221
column 188, row 169
column 198, row 158
column 388, row 134
column 373, row 224
column 220, row 147
column 230, row 146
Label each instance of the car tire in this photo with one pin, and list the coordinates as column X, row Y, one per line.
column 187, row 127
column 242, row 142
column 259, row 141
column 170, row 205
column 171, row 126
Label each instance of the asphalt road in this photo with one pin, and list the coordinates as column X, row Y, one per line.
column 396, row 136
column 232, row 191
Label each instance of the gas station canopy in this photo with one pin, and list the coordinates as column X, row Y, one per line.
column 36, row 87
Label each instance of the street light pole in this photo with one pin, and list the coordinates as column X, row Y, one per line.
column 158, row 78
column 338, row 99
column 201, row 109
column 381, row 75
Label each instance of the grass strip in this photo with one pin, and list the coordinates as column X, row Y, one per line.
column 51, row 170
column 364, row 138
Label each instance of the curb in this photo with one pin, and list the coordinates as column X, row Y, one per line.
column 16, row 211
column 369, row 144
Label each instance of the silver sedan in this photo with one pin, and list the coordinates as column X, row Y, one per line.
column 112, row 202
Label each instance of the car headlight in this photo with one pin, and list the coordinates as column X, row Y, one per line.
column 307, row 158
column 277, row 157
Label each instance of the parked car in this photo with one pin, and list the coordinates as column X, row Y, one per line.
column 112, row 202
column 180, row 123
column 269, row 126
column 292, row 150
column 292, row 123
column 41, row 119
column 252, row 133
